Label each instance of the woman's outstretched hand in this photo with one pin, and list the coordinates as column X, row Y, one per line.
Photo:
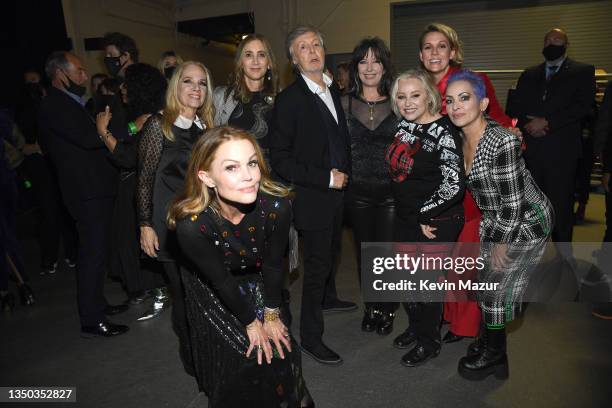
column 258, row 339
column 279, row 334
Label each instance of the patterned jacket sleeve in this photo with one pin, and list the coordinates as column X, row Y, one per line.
column 451, row 189
column 507, row 173
column 149, row 153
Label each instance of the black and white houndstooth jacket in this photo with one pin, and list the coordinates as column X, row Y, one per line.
column 514, row 209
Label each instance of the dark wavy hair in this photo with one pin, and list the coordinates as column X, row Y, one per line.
column 123, row 44
column 382, row 53
column 146, row 89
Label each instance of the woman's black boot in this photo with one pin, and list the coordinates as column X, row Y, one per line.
column 491, row 360
column 385, row 323
column 475, row 347
column 370, row 320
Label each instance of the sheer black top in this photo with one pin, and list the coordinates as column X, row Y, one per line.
column 371, row 127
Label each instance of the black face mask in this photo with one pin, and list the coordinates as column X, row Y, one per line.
column 168, row 71
column 553, row 52
column 74, row 88
column 113, row 65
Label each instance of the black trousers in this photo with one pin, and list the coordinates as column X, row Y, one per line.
column 557, row 179
column 426, row 317
column 179, row 314
column 321, row 248
column 373, row 220
column 52, row 217
column 93, row 219
column 9, row 245
column 608, row 233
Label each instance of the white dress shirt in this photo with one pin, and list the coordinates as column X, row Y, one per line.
column 326, row 97
column 324, row 94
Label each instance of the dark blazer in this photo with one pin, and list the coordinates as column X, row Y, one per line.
column 69, row 137
column 300, row 152
column 564, row 101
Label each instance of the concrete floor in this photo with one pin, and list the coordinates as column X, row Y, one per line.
column 560, row 356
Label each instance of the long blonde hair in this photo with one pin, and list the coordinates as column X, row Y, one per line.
column 452, row 37
column 173, row 105
column 237, row 83
column 196, row 196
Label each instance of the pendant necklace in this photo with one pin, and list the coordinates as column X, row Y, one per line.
column 371, row 106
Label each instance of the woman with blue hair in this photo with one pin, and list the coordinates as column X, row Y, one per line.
column 516, row 219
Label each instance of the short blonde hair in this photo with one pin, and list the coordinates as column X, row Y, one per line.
column 434, row 100
column 452, row 37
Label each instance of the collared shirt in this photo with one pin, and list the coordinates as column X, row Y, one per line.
column 79, row 100
column 324, row 94
column 326, row 97
column 552, row 67
column 185, row 123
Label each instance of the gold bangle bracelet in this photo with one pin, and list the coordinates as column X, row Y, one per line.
column 271, row 315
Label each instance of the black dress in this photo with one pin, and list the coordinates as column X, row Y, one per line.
column 162, row 168
column 233, row 272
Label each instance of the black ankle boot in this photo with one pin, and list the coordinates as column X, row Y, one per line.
column 475, row 347
column 385, row 323
column 370, row 320
column 491, row 360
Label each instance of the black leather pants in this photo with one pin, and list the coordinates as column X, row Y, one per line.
column 373, row 220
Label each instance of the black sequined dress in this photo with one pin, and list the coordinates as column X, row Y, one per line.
column 232, row 272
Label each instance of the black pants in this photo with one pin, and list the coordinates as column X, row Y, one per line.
column 9, row 245
column 321, row 248
column 426, row 317
column 558, row 182
column 179, row 315
column 51, row 215
column 608, row 233
column 373, row 220
column 584, row 169
column 93, row 218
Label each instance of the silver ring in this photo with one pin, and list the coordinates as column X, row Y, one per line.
column 259, row 348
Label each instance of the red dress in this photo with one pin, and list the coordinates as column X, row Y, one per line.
column 462, row 312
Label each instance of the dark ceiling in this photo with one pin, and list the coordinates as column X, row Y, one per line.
column 225, row 29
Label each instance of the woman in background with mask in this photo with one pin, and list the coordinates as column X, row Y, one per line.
column 168, row 62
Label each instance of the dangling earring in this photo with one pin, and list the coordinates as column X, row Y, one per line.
column 269, row 74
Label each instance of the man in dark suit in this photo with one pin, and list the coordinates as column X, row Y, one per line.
column 310, row 148
column 550, row 101
column 88, row 182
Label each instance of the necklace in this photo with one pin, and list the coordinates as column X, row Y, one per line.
column 371, row 106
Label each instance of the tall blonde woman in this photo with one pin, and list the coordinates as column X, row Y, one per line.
column 163, row 152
